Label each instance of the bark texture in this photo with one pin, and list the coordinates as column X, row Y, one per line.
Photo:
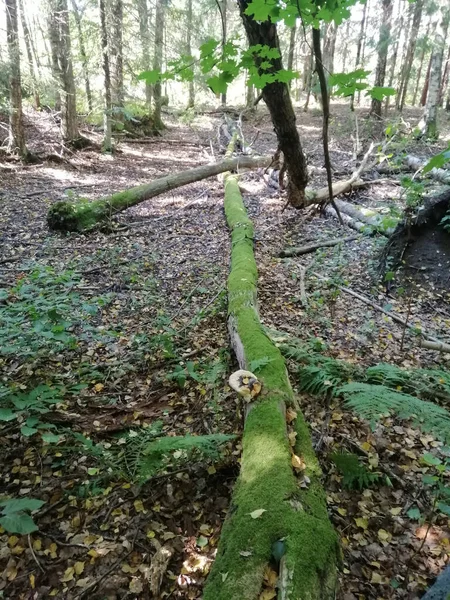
column 83, row 54
column 277, row 98
column 115, row 43
column 144, row 32
column 294, row 529
column 191, row 89
column 407, row 64
column 160, row 17
column 16, row 129
column 382, row 48
column 107, row 142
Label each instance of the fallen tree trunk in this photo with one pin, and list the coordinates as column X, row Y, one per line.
column 84, row 215
column 413, row 163
column 298, row 251
column 275, row 515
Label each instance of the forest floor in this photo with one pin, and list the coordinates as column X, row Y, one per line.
column 136, row 344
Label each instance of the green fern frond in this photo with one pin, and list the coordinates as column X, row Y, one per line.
column 355, row 474
column 374, row 401
column 418, row 381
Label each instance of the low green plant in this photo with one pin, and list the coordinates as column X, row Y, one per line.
column 355, row 474
column 144, row 453
column 437, row 480
column 15, row 517
column 445, row 222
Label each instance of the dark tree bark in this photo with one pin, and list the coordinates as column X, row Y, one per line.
column 291, row 52
column 223, row 16
column 144, row 31
column 423, row 97
column 277, row 98
column 361, row 36
column 383, row 43
column 191, row 90
column 421, row 61
column 16, row 128
column 116, row 58
column 107, row 145
column 29, row 49
column 158, row 60
column 83, row 55
column 406, row 70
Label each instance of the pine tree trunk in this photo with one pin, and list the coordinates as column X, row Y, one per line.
column 116, row 59
column 224, row 11
column 429, row 125
column 144, row 31
column 362, row 34
column 397, row 36
column 407, row 64
column 277, row 98
column 83, row 55
column 28, row 47
column 291, row 51
column 61, row 51
column 426, row 84
column 191, row 90
column 419, row 71
column 16, row 127
column 107, row 142
column 382, row 48
column 158, row 60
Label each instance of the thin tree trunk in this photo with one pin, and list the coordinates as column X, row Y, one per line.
column 28, row 47
column 224, row 16
column 62, row 47
column 291, row 51
column 16, row 127
column 421, row 61
column 250, row 96
column 144, row 31
column 407, row 64
column 309, row 77
column 444, row 82
column 426, row 84
column 83, row 55
column 116, row 59
column 107, row 143
column 383, row 44
column 191, row 90
column 346, row 44
column 277, row 98
column 362, row 35
column 53, row 35
column 429, row 125
column 158, row 61
column 329, row 48
column 397, row 38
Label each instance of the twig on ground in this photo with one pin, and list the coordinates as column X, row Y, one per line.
column 298, row 251
column 35, row 558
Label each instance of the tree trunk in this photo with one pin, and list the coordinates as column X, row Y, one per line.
column 406, row 70
column 277, row 98
column 291, row 51
column 82, row 216
column 224, row 17
column 158, row 61
column 62, row 60
column 83, row 55
column 116, row 60
column 53, row 35
column 429, row 124
column 421, row 61
column 16, row 129
column 144, row 31
column 346, row 45
column 444, row 83
column 293, row 526
column 250, row 96
column 28, row 47
column 362, row 35
column 309, row 65
column 423, row 97
column 397, row 36
column 329, row 48
column 107, row 142
column 191, row 91
column 382, row 49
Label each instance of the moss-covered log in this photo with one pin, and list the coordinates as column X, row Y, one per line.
column 84, row 215
column 294, row 532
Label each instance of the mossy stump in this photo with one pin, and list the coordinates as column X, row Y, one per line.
column 294, row 531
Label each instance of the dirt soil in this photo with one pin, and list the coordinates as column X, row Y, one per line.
column 162, row 274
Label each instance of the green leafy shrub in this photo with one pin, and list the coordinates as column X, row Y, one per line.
column 355, row 474
column 14, row 515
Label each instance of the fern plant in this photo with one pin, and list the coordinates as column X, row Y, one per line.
column 375, row 401
column 143, row 453
column 355, row 474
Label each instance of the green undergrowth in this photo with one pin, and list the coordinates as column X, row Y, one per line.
column 270, row 508
column 376, row 391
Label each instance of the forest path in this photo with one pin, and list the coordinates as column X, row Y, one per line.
column 163, row 355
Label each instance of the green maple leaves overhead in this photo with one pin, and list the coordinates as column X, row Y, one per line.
column 225, row 62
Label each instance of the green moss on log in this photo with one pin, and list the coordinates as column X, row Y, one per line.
column 297, row 515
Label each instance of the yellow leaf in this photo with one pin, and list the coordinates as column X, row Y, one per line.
column 76, row 521
column 37, row 545
column 83, row 582
column 291, row 415
column 12, row 541
column 384, row 535
column 139, row 506
column 396, row 510
column 68, row 574
column 211, row 470
column 336, row 416
column 78, row 567
column 54, row 592
column 376, row 578
column 270, row 577
column 32, row 581
column 292, row 438
column 362, row 523
column 366, row 446
column 298, row 463
column 150, row 534
column 342, row 511
column 256, row 514
column 93, row 553
column 98, row 387
column 268, row 595
column 136, row 586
